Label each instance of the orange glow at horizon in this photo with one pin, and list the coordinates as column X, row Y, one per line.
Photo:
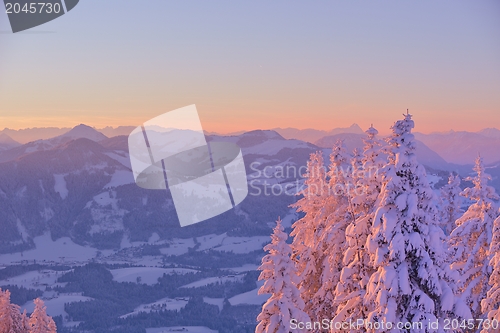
column 230, row 121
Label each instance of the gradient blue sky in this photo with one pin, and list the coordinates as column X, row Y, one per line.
column 257, row 64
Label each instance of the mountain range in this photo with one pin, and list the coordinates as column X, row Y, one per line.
column 455, row 148
column 79, row 184
column 71, row 199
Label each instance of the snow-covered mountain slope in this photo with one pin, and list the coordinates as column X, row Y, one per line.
column 78, row 132
column 6, row 142
column 116, row 131
column 81, row 131
column 44, row 133
column 83, row 189
column 425, row 155
column 263, row 148
column 464, row 147
column 313, row 135
column 490, row 133
column 33, row 134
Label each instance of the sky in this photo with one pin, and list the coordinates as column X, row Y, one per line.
column 257, row 64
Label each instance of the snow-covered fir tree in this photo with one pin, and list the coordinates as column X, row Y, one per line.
column 490, row 306
column 11, row 319
column 39, row 321
column 406, row 245
column 354, row 277
column 307, row 230
column 23, row 325
column 373, row 163
column 332, row 242
column 6, row 320
column 285, row 305
column 357, row 169
column 451, row 203
column 470, row 241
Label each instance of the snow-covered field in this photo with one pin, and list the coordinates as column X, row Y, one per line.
column 433, row 179
column 183, row 329
column 227, row 243
column 162, row 304
column 60, row 186
column 212, row 280
column 63, row 250
column 178, row 246
column 147, row 275
column 250, row 297
column 243, row 269
column 35, row 279
column 214, row 301
column 121, row 177
column 55, row 306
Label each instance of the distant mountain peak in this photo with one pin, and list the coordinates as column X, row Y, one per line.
column 268, row 134
column 5, row 139
column 490, row 132
column 84, row 131
column 355, row 127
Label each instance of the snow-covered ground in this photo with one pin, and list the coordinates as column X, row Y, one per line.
column 121, row 177
column 183, row 329
column 250, row 297
column 214, row 301
column 60, row 186
column 162, row 304
column 178, row 246
column 35, row 279
column 433, row 179
column 55, row 306
column 63, row 250
column 211, row 280
column 147, row 275
column 235, row 244
column 120, row 157
column 243, row 269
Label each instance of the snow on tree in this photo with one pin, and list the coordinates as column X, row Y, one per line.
column 451, row 203
column 279, row 273
column 23, row 325
column 406, row 245
column 354, row 277
column 332, row 241
column 5, row 311
column 357, row 168
column 470, row 241
column 11, row 319
column 490, row 306
column 373, row 164
column 39, row 321
column 307, row 229
column 20, row 322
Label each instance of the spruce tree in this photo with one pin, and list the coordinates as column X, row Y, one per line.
column 490, row 306
column 354, row 277
column 280, row 280
column 332, row 241
column 451, row 203
column 11, row 319
column 470, row 241
column 406, row 245
column 307, row 230
column 371, row 180
column 39, row 321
